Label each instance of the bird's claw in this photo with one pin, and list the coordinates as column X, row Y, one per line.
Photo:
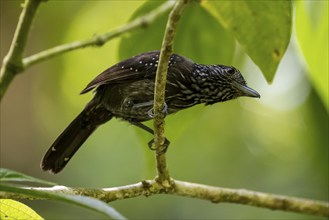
column 151, row 114
column 165, row 145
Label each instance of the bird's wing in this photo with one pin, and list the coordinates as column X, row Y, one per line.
column 141, row 66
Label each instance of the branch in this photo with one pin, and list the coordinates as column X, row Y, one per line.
column 193, row 190
column 98, row 40
column 12, row 63
column 160, row 88
column 252, row 198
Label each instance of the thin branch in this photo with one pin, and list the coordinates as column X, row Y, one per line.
column 99, row 40
column 193, row 190
column 160, row 88
column 12, row 63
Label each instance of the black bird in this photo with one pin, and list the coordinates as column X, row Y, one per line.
column 126, row 91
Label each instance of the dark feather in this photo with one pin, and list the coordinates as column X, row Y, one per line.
column 141, row 66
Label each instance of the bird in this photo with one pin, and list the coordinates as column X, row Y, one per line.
column 126, row 91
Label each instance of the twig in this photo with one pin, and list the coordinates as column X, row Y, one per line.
column 187, row 189
column 12, row 63
column 159, row 91
column 99, row 40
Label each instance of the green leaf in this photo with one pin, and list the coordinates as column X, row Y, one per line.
column 83, row 201
column 262, row 28
column 11, row 209
column 312, row 36
column 14, row 176
column 199, row 36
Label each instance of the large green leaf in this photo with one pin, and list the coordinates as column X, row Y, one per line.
column 11, row 209
column 312, row 35
column 199, row 36
column 262, row 28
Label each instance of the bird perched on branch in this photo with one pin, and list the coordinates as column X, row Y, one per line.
column 126, row 91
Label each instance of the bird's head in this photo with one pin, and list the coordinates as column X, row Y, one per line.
column 228, row 83
column 237, row 83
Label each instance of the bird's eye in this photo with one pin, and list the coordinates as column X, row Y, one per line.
column 230, row 70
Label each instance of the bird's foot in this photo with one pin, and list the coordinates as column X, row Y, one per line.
column 164, row 111
column 165, row 145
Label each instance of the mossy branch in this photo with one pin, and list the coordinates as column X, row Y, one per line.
column 186, row 189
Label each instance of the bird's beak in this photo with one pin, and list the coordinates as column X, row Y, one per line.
column 246, row 91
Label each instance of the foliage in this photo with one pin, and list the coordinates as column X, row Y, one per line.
column 290, row 143
column 271, row 25
column 312, row 34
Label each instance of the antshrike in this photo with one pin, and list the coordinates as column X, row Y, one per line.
column 126, row 91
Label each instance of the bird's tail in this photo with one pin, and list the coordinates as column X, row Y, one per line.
column 70, row 140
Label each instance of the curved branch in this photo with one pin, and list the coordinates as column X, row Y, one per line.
column 194, row 190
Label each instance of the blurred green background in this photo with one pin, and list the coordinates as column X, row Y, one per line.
column 277, row 144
